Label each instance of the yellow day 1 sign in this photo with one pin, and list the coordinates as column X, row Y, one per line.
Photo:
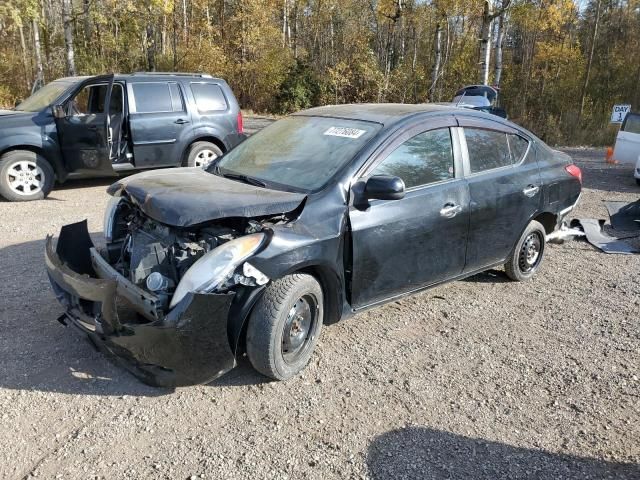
column 619, row 112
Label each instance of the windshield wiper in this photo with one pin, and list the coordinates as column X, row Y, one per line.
column 242, row 178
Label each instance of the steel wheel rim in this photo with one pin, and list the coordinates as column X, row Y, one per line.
column 25, row 178
column 530, row 253
column 205, row 157
column 298, row 329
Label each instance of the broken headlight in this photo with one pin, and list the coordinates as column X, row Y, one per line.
column 216, row 266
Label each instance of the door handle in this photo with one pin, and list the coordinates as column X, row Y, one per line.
column 450, row 210
column 531, row 190
column 181, row 121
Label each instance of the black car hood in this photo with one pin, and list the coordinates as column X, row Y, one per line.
column 183, row 197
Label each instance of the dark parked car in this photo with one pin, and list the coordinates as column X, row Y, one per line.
column 154, row 120
column 320, row 215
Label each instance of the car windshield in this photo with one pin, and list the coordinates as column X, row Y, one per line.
column 43, row 97
column 298, row 152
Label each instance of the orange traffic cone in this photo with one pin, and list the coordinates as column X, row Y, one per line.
column 609, row 156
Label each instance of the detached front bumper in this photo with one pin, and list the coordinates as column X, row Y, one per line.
column 187, row 345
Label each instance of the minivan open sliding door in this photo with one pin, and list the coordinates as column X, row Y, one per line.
column 84, row 129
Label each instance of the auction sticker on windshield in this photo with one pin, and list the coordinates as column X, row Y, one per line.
column 345, row 132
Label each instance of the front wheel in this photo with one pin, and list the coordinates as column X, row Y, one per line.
column 285, row 325
column 24, row 176
column 527, row 254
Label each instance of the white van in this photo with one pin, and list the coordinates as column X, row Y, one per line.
column 627, row 149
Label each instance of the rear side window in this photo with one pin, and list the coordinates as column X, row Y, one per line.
column 631, row 123
column 423, row 159
column 488, row 149
column 177, row 102
column 517, row 146
column 209, row 97
column 152, row 97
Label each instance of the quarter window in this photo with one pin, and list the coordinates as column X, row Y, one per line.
column 517, row 146
column 152, row 97
column 209, row 97
column 177, row 101
column 423, row 159
column 488, row 149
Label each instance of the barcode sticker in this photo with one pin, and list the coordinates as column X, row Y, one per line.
column 345, row 132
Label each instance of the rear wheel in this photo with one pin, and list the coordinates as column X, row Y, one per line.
column 201, row 154
column 527, row 254
column 24, row 176
column 285, row 325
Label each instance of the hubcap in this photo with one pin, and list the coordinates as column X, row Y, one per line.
column 25, row 178
column 298, row 327
column 205, row 157
column 530, row 252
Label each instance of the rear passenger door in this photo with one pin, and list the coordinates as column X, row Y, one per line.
column 504, row 189
column 159, row 123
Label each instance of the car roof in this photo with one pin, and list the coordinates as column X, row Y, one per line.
column 146, row 76
column 384, row 113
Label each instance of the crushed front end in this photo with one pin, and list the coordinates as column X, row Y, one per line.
column 156, row 298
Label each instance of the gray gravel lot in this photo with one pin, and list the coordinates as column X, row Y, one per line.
column 482, row 378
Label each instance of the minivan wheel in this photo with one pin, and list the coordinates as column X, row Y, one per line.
column 24, row 176
column 528, row 253
column 284, row 326
column 201, row 154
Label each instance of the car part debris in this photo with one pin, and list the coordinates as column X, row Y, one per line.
column 563, row 234
column 623, row 215
column 596, row 237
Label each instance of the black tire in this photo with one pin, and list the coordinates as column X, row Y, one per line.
column 39, row 176
column 527, row 254
column 281, row 308
column 638, row 181
column 202, row 152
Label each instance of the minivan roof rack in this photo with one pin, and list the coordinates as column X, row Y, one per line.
column 182, row 74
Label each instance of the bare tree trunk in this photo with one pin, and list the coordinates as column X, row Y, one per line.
column 435, row 72
column 485, row 35
column 68, row 36
column 25, row 60
column 151, row 47
column 39, row 82
column 497, row 75
column 184, row 21
column 594, row 35
column 86, row 16
column 175, row 37
column 285, row 21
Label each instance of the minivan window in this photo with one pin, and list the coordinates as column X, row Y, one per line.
column 423, row 159
column 632, row 123
column 487, row 149
column 299, row 152
column 153, row 97
column 209, row 97
column 518, row 147
column 44, row 97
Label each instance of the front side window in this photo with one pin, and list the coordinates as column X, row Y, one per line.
column 488, row 149
column 302, row 153
column 91, row 100
column 152, row 97
column 421, row 160
column 209, row 97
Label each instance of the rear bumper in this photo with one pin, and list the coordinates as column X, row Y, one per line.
column 187, row 345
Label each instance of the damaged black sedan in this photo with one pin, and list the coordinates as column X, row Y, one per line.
column 320, row 215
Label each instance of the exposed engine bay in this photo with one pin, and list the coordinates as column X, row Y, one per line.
column 156, row 257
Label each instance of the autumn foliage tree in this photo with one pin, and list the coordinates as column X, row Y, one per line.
column 560, row 64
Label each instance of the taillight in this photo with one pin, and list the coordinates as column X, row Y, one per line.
column 574, row 171
column 240, row 124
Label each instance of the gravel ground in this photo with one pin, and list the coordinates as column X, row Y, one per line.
column 481, row 378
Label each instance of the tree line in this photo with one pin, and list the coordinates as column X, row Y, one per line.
column 559, row 65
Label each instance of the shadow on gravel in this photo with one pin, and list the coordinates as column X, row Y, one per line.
column 423, row 453
column 489, row 276
column 38, row 353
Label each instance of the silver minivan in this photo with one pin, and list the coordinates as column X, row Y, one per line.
column 627, row 148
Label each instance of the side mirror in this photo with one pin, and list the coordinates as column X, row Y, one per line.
column 384, row 187
column 58, row 111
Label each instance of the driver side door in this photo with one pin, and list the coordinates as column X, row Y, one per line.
column 83, row 126
column 399, row 246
